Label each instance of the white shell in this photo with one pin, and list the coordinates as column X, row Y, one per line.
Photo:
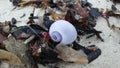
column 62, row 31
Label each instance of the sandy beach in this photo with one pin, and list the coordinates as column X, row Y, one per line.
column 110, row 47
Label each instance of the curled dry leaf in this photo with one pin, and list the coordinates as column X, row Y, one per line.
column 10, row 58
column 70, row 55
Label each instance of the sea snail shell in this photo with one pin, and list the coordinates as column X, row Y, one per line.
column 62, row 31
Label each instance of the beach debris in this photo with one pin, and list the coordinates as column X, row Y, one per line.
column 83, row 19
column 23, row 15
column 37, row 3
column 44, row 4
column 80, row 10
column 92, row 51
column 94, row 12
column 115, row 1
column 84, row 26
column 85, row 3
column 40, row 47
column 113, row 8
column 46, row 21
column 15, row 46
column 15, row 2
column 78, row 54
column 10, row 58
column 2, row 36
column 34, row 44
column 115, row 27
column 23, row 3
column 56, row 16
column 7, row 26
column 70, row 55
column 108, row 14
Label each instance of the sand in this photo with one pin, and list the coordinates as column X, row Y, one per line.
column 110, row 47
